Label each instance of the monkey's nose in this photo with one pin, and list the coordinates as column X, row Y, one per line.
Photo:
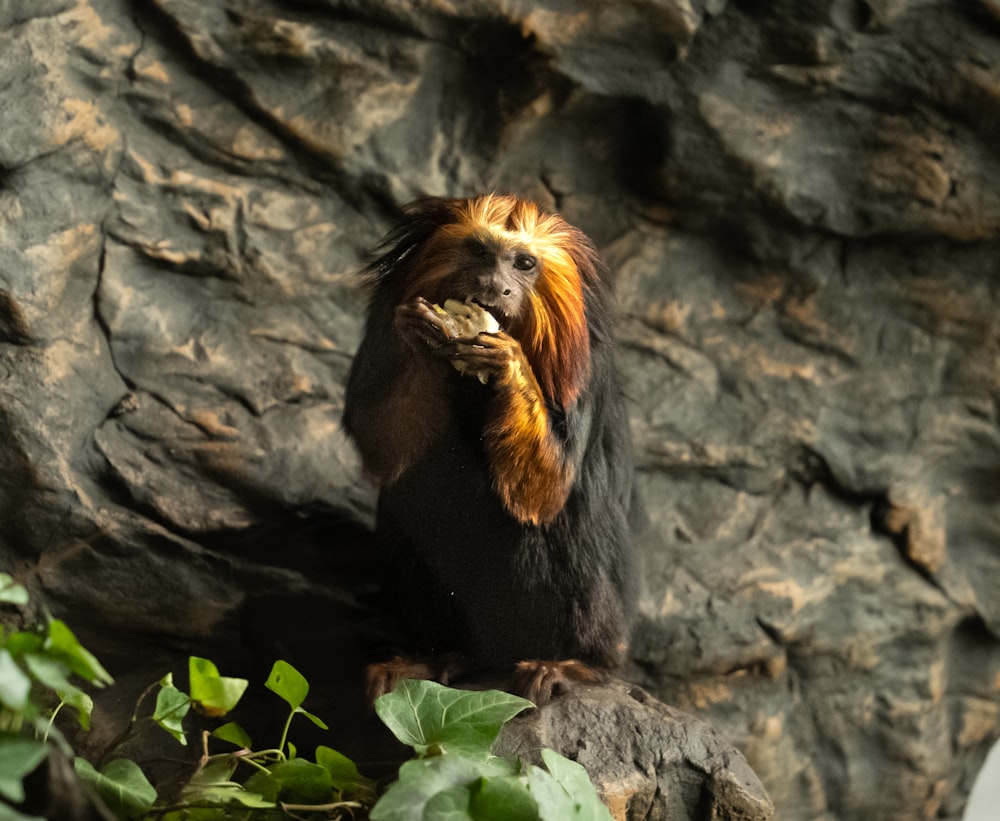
column 491, row 287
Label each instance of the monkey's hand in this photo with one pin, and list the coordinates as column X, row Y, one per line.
column 487, row 355
column 453, row 332
column 422, row 328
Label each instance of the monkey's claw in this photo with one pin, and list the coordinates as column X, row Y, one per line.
column 541, row 681
column 382, row 677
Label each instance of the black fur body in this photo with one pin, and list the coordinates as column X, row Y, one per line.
column 467, row 576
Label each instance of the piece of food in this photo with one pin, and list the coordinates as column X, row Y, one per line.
column 465, row 320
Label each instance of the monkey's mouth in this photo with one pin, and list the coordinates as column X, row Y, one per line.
column 495, row 311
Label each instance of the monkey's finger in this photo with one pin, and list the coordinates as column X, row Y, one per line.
column 475, row 352
column 416, row 312
column 487, row 339
column 446, row 349
column 427, row 326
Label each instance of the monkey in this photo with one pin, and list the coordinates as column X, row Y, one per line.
column 506, row 503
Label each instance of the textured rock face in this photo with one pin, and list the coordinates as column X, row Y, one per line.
column 647, row 760
column 800, row 201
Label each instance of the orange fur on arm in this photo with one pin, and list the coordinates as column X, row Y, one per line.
column 530, row 470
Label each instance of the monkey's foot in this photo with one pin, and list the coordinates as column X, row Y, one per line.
column 541, row 681
column 383, row 676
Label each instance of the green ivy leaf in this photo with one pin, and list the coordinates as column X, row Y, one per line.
column 213, row 785
column 295, row 781
column 451, row 804
column 193, row 814
column 64, row 645
column 344, row 773
column 11, row 592
column 503, row 799
column 82, row 703
column 52, row 672
column 571, row 775
column 18, row 757
column 234, row 734
column 426, row 715
column 15, row 686
column 224, row 794
column 314, row 719
column 565, row 792
column 171, row 707
column 23, row 642
column 288, row 683
column 213, row 773
column 552, row 800
column 419, row 781
column 215, row 695
column 121, row 785
column 340, row 767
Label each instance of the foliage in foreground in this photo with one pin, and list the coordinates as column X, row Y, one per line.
column 454, row 776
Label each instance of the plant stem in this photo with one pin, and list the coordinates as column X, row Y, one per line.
column 142, row 697
column 284, row 733
column 336, row 805
column 249, row 760
column 52, row 720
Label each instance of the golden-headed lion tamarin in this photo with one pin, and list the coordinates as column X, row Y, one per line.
column 506, row 500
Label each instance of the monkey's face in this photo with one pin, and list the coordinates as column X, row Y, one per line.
column 498, row 275
column 518, row 263
column 497, row 268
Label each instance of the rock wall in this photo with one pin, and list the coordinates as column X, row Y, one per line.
column 800, row 201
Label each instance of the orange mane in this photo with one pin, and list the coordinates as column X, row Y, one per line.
column 552, row 329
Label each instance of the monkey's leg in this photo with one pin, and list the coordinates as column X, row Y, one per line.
column 383, row 676
column 541, row 681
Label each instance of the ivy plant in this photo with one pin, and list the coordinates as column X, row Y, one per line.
column 456, row 777
column 39, row 674
column 453, row 777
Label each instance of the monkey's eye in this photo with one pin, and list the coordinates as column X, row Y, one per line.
column 476, row 248
column 525, row 262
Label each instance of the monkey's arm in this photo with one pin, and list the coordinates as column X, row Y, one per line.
column 531, row 468
column 397, row 398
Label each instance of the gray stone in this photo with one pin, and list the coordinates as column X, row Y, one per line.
column 799, row 201
column 647, row 760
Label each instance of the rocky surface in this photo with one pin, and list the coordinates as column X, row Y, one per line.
column 799, row 199
column 648, row 761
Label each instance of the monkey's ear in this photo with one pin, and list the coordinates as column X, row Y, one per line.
column 419, row 221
